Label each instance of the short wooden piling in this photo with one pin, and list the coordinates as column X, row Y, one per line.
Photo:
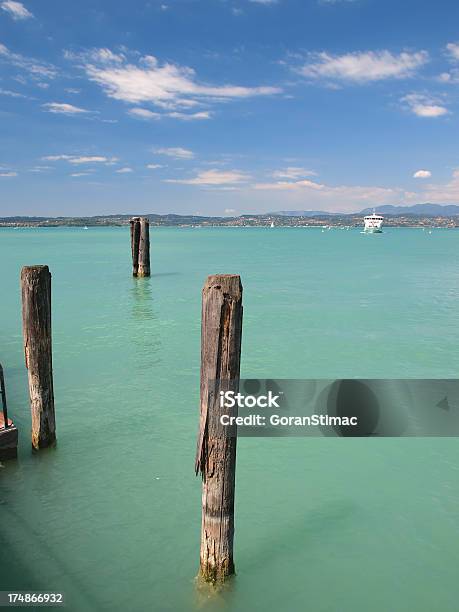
column 221, row 334
column 140, row 246
column 36, row 325
column 8, row 432
column 135, row 241
column 144, row 248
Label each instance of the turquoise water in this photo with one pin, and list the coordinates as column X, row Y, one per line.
column 112, row 516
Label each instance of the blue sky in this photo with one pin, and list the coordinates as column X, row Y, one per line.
column 227, row 106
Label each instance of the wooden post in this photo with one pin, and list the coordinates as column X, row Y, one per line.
column 36, row 325
column 6, row 421
column 140, row 246
column 135, row 241
column 144, row 248
column 8, row 432
column 216, row 450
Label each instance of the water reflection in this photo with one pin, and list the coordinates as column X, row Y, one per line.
column 142, row 299
column 25, row 549
column 144, row 333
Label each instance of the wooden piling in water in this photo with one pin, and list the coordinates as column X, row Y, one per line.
column 140, row 246
column 135, row 241
column 221, row 334
column 36, row 326
column 144, row 248
column 8, row 432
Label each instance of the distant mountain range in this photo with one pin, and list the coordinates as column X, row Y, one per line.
column 429, row 210
column 305, row 213
column 440, row 210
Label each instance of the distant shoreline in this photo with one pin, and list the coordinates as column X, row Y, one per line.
column 265, row 220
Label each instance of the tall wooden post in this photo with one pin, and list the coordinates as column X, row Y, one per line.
column 135, row 241
column 140, row 246
column 144, row 248
column 216, row 450
column 36, row 325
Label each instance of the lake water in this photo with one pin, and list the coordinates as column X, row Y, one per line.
column 112, row 515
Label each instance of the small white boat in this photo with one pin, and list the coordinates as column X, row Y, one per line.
column 373, row 224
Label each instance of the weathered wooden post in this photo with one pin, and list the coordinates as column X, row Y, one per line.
column 8, row 432
column 6, row 421
column 140, row 246
column 144, row 248
column 36, row 325
column 216, row 450
column 135, row 241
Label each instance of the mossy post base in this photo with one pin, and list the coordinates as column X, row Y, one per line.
column 216, row 575
column 216, row 449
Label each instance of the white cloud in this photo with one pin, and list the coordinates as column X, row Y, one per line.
column 230, row 211
column 264, row 1
column 78, row 174
column 11, row 94
column 361, row 67
column 126, row 170
column 444, row 77
column 453, row 51
column 166, row 85
column 64, row 109
column 451, row 77
column 422, row 174
column 293, row 172
column 154, row 166
column 82, row 159
column 176, row 152
column 213, row 177
column 144, row 113
column 424, row 106
column 93, row 159
column 190, row 116
column 311, row 194
column 447, row 193
column 40, row 168
column 287, row 185
column 8, row 174
column 106, row 56
column 35, row 68
column 217, row 162
column 16, row 10
column 57, row 157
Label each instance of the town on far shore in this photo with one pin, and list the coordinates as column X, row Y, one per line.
column 411, row 218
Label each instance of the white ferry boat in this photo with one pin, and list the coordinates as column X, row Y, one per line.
column 373, row 223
